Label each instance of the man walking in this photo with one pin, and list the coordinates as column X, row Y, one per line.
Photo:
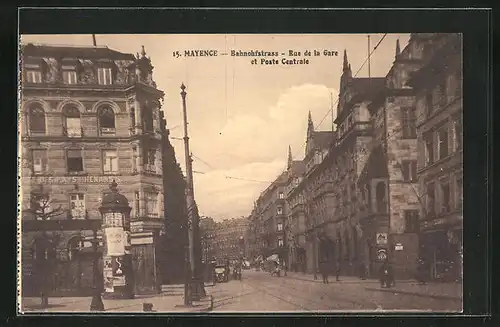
column 337, row 271
column 324, row 272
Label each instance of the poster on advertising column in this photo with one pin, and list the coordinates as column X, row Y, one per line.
column 115, row 241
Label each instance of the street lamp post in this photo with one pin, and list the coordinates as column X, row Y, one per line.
column 96, row 304
column 197, row 289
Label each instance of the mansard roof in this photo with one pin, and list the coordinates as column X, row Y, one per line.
column 61, row 51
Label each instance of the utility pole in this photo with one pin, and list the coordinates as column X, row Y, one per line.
column 369, row 59
column 197, row 289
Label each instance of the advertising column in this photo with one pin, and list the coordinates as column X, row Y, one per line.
column 117, row 258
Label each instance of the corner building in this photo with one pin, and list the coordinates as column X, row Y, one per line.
column 90, row 115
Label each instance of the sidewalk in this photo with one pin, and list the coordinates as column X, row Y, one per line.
column 436, row 290
column 160, row 302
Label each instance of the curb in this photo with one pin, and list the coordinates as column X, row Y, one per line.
column 433, row 296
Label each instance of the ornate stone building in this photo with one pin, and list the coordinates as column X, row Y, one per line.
column 388, row 182
column 88, row 116
column 439, row 111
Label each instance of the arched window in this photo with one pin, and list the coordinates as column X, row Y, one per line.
column 72, row 125
column 36, row 119
column 380, row 196
column 106, row 119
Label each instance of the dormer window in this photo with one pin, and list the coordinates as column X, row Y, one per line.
column 34, row 76
column 70, row 77
column 104, row 76
column 34, row 70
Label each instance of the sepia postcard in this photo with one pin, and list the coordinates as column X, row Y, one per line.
column 243, row 173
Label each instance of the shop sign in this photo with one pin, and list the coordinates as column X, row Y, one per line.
column 382, row 254
column 115, row 241
column 398, row 247
column 381, row 238
column 63, row 180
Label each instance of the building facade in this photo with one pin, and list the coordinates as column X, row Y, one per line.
column 439, row 107
column 89, row 115
column 228, row 238
column 208, row 232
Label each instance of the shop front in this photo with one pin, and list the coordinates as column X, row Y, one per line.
column 443, row 251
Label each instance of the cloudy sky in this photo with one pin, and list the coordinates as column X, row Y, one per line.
column 242, row 117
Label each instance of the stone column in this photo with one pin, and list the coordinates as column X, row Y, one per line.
column 142, row 203
column 138, row 159
column 138, row 117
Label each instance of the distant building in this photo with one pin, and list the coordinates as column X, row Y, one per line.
column 439, row 112
column 227, row 237
column 208, row 234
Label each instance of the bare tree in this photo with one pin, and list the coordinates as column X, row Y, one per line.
column 45, row 246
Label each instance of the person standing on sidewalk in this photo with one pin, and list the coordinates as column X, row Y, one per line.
column 421, row 272
column 337, row 271
column 324, row 272
column 362, row 271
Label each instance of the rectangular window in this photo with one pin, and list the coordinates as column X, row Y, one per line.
column 429, row 148
column 280, row 242
column 151, row 204
column 409, row 168
column 39, row 160
column 34, row 76
column 431, row 199
column 73, row 127
column 281, row 195
column 408, row 122
column 74, row 161
column 136, row 204
column 457, row 134
column 459, row 189
column 77, row 205
column 104, row 76
column 279, row 211
column 445, row 197
column 69, row 77
column 280, row 227
column 110, row 161
column 443, row 142
column 411, row 221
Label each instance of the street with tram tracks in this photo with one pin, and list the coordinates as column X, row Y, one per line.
column 258, row 291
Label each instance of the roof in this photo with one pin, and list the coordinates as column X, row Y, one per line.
column 367, row 85
column 82, row 52
column 298, row 167
column 322, row 139
column 376, row 165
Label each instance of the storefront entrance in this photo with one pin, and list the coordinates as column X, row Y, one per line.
column 443, row 252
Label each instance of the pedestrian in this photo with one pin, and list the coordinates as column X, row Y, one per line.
column 337, row 271
column 362, row 271
column 421, row 272
column 386, row 275
column 324, row 272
